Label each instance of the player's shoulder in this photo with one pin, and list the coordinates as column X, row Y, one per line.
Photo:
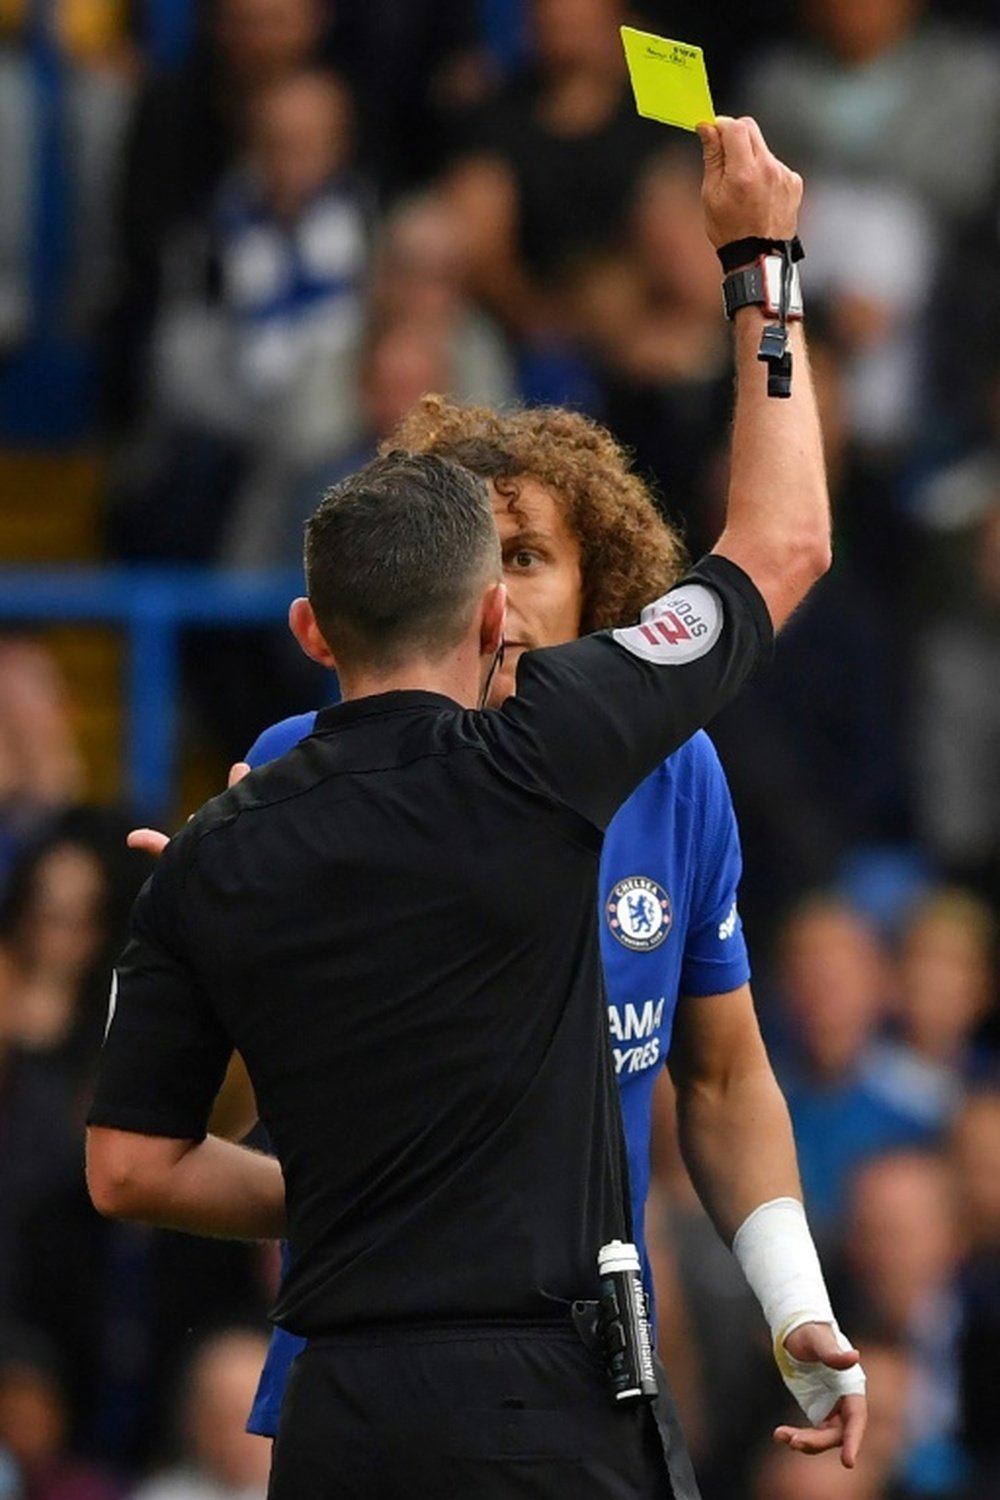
column 695, row 765
column 275, row 779
column 279, row 738
column 690, row 784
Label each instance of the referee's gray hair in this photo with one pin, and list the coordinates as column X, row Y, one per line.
column 397, row 556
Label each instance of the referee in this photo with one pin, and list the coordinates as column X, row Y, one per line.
column 394, row 925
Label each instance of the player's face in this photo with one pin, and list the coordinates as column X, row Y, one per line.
column 541, row 564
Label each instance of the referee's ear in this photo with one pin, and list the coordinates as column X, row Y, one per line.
column 302, row 624
column 493, row 619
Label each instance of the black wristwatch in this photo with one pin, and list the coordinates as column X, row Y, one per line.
column 759, row 284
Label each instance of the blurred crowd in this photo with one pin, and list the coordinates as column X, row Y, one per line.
column 238, row 239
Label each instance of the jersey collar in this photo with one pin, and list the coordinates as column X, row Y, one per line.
column 400, row 700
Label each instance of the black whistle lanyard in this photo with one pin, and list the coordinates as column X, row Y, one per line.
column 774, row 350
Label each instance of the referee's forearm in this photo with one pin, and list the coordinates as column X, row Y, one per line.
column 778, row 512
column 211, row 1187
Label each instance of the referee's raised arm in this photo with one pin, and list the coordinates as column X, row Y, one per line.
column 596, row 720
column 778, row 515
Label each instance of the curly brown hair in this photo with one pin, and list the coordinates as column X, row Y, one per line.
column 629, row 555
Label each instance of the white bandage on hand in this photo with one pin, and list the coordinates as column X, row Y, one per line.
column 814, row 1385
column 778, row 1258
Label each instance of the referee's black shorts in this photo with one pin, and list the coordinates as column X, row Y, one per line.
column 468, row 1414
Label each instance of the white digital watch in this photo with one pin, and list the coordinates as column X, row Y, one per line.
column 759, row 284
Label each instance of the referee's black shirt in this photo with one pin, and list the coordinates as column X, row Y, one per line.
column 395, row 925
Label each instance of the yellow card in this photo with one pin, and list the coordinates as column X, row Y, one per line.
column 668, row 79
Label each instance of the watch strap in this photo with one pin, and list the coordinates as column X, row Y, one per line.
column 740, row 252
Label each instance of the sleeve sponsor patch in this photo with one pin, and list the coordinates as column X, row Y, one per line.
column 679, row 627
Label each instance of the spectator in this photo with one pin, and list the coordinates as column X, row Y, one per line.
column 291, row 232
column 874, row 103
column 57, row 935
column 287, row 239
column 957, row 497
column 945, row 987
column 61, row 923
column 956, row 721
column 417, row 282
column 15, row 198
column 963, row 395
column 415, row 68
column 779, row 1474
column 37, row 1142
column 41, row 770
column 874, row 253
column 185, row 135
column 727, row 37
column 833, row 987
column 902, row 1250
column 398, row 364
column 34, row 1422
column 552, row 166
column 123, row 1306
column 881, row 93
column 220, row 1459
column 421, row 274
column 892, row 1375
column 811, row 747
column 651, row 316
column 62, row 124
column 975, row 1156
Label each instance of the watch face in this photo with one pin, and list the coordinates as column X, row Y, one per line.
column 773, row 266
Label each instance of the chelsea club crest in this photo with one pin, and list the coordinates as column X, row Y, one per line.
column 638, row 913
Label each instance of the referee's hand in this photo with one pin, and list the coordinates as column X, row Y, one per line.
column 152, row 841
column 844, row 1426
column 746, row 191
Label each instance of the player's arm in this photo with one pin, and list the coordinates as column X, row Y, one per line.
column 737, row 1143
column 728, row 1102
column 234, row 1113
column 778, row 515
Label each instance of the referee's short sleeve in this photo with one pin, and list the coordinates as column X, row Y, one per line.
column 593, row 718
column 165, row 1053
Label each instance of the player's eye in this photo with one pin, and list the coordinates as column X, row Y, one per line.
column 523, row 558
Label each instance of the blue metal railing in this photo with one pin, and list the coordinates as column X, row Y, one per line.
column 152, row 606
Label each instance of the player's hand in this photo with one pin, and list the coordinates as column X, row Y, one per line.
column 149, row 840
column 821, row 1358
column 237, row 771
column 152, row 841
column 745, row 190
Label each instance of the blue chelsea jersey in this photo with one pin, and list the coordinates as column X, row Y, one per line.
column 669, row 923
column 669, row 872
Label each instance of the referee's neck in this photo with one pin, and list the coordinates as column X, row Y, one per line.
column 458, row 675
